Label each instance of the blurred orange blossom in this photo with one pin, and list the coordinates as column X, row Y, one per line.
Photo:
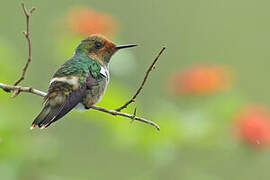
column 201, row 80
column 253, row 125
column 85, row 21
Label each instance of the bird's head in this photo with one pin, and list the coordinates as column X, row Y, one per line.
column 99, row 48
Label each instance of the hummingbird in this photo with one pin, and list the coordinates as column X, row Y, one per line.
column 81, row 81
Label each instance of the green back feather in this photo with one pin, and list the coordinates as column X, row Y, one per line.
column 79, row 66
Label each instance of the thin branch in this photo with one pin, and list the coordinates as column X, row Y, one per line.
column 109, row 111
column 27, row 36
column 130, row 116
column 152, row 66
column 21, row 89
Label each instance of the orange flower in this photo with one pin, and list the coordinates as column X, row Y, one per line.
column 253, row 126
column 201, row 80
column 85, row 21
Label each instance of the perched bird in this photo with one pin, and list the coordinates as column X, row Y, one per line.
column 80, row 81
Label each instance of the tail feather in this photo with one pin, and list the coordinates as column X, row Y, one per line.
column 57, row 104
column 60, row 100
column 46, row 116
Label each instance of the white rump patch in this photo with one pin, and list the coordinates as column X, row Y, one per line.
column 70, row 80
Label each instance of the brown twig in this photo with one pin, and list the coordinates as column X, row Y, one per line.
column 152, row 66
column 130, row 116
column 112, row 112
column 27, row 36
column 22, row 89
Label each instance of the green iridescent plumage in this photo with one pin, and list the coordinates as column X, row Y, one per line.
column 79, row 66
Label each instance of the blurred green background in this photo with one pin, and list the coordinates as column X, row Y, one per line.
column 209, row 91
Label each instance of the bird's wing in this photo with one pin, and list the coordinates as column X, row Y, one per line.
column 76, row 96
column 58, row 103
column 61, row 99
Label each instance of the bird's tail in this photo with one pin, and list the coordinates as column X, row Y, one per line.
column 48, row 114
column 58, row 102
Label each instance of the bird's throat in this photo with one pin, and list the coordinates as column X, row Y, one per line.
column 101, row 60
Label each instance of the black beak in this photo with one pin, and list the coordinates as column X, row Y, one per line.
column 125, row 46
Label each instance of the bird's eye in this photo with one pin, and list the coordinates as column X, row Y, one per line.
column 98, row 45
